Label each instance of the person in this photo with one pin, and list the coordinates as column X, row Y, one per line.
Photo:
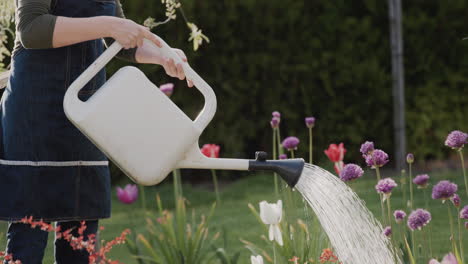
column 48, row 169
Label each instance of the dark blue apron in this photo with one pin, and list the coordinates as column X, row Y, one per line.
column 48, row 169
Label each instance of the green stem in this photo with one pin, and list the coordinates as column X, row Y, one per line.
column 389, row 212
column 451, row 223
column 292, row 154
column 377, row 171
column 464, row 171
column 274, row 252
column 423, row 231
column 403, row 187
column 275, row 176
column 460, row 238
column 176, row 186
column 143, row 197
column 215, row 182
column 413, row 243
column 411, row 187
column 278, row 137
column 426, row 203
column 430, row 241
column 310, row 145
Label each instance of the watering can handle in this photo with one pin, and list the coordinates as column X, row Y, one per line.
column 71, row 100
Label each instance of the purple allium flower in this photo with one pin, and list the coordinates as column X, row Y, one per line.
column 367, row 148
column 310, row 121
column 167, row 88
column 455, row 200
column 351, row 172
column 387, row 231
column 377, row 158
column 399, row 215
column 410, row 158
column 276, row 114
column 464, row 212
column 129, row 194
column 421, row 180
column 283, row 156
column 418, row 219
column 274, row 122
column 456, row 139
column 385, row 185
column 444, row 190
column 290, row 143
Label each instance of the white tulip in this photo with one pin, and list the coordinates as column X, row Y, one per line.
column 271, row 214
column 256, row 259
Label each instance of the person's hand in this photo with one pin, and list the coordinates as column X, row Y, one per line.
column 176, row 70
column 129, row 34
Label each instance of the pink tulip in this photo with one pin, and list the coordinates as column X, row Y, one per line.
column 129, row 194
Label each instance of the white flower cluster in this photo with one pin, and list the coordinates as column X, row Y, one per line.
column 196, row 36
column 171, row 6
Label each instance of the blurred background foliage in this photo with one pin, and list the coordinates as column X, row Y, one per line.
column 328, row 59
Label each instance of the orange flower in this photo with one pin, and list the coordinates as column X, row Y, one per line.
column 327, row 255
column 294, row 259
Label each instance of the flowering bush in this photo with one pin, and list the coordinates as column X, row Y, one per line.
column 97, row 255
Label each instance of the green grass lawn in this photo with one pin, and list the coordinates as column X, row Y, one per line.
column 234, row 217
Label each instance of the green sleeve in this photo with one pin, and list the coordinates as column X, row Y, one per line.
column 124, row 54
column 34, row 25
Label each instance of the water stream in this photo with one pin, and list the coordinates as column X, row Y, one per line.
column 355, row 234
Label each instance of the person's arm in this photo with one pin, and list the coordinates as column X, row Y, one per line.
column 34, row 33
column 124, row 54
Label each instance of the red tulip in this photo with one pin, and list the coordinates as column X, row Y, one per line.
column 210, row 150
column 336, row 154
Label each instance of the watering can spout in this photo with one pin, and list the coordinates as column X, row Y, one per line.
column 290, row 170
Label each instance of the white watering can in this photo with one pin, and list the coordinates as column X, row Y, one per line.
column 144, row 133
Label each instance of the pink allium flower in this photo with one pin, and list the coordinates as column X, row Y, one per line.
column 283, row 156
column 167, row 88
column 129, row 194
column 386, row 185
column 399, row 215
column 410, row 158
column 456, row 139
column 351, row 172
column 310, row 121
column 387, row 231
column 276, row 114
column 449, row 259
column 444, row 190
column 455, row 200
column 275, row 121
column 378, row 158
column 464, row 212
column 367, row 148
column 290, row 143
column 418, row 219
column 421, row 180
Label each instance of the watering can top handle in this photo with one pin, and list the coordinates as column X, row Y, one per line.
column 202, row 120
